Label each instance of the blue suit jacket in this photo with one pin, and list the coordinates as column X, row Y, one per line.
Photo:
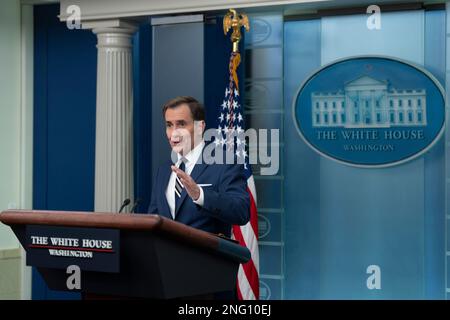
column 226, row 201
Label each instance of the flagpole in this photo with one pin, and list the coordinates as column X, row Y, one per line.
column 232, row 124
column 235, row 21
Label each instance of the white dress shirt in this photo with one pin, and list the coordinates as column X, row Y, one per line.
column 190, row 160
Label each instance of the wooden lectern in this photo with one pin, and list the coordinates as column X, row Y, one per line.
column 126, row 255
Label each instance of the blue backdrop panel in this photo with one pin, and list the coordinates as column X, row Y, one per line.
column 142, row 113
column 392, row 218
column 302, row 221
column 435, row 167
column 64, row 120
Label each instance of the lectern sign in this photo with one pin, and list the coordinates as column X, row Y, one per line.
column 59, row 247
column 370, row 111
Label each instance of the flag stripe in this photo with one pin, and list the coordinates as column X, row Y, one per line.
column 251, row 186
column 254, row 217
column 250, row 239
column 251, row 274
column 245, row 289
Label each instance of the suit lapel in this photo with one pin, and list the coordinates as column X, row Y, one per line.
column 196, row 172
column 165, row 182
column 179, row 203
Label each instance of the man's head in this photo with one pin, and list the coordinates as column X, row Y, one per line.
column 185, row 123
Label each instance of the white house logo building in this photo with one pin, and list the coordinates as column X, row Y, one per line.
column 369, row 103
column 370, row 111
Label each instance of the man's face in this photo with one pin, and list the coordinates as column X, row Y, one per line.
column 182, row 132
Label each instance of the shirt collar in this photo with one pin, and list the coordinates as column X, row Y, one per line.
column 193, row 155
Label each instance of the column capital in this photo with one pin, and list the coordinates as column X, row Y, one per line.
column 111, row 26
column 113, row 33
column 114, row 30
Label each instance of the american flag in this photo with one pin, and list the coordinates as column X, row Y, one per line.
column 231, row 135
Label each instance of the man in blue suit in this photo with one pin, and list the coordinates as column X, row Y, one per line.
column 210, row 197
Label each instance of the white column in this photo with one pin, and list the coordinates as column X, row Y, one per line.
column 114, row 127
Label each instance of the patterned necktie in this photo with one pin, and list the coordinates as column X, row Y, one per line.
column 178, row 185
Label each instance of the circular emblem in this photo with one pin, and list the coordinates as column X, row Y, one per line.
column 370, row 111
column 263, row 226
column 261, row 30
column 264, row 291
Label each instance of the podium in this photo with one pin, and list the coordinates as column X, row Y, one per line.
column 126, row 255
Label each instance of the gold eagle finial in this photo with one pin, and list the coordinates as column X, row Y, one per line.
column 235, row 20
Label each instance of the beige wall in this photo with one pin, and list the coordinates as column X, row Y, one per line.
column 9, row 113
column 15, row 139
column 10, row 274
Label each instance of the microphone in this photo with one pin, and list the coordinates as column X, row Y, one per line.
column 136, row 203
column 124, row 204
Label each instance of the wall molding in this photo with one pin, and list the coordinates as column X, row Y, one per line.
column 26, row 131
column 97, row 10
